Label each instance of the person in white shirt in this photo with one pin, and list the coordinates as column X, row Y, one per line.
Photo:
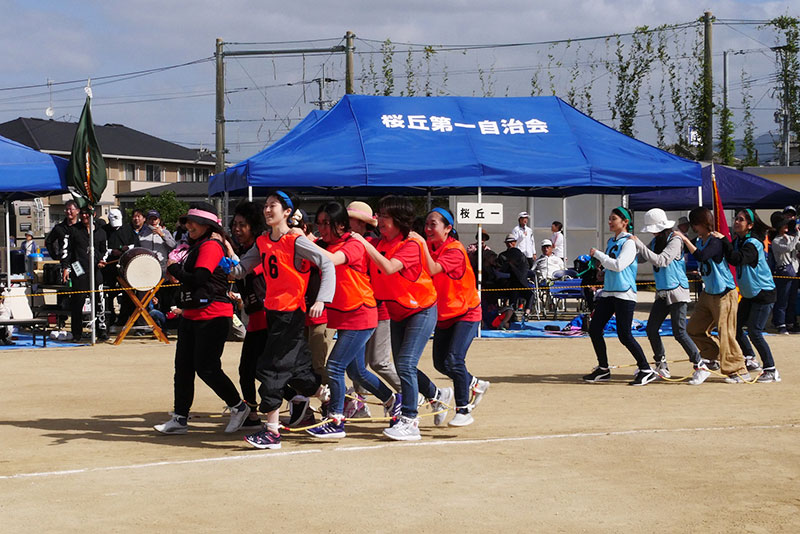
column 559, row 244
column 547, row 263
column 524, row 236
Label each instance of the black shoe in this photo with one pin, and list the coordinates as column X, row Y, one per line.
column 794, row 329
column 643, row 377
column 598, row 374
column 712, row 365
column 5, row 341
column 103, row 335
column 252, row 425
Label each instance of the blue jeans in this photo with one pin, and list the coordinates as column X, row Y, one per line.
column 784, row 313
column 677, row 314
column 450, row 347
column 409, row 337
column 754, row 316
column 348, row 355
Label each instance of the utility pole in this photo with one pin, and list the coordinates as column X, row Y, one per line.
column 349, row 76
column 783, row 52
column 219, row 156
column 725, row 79
column 708, row 92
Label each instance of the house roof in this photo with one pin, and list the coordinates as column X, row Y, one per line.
column 115, row 140
column 183, row 190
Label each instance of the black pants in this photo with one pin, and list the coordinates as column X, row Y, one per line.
column 286, row 360
column 76, row 302
column 199, row 351
column 252, row 348
column 605, row 307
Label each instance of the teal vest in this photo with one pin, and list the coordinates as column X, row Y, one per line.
column 753, row 280
column 626, row 279
column 673, row 275
column 717, row 277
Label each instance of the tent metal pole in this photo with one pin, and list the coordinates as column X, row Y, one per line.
column 92, row 294
column 429, row 202
column 8, row 243
column 532, row 217
column 480, row 259
column 700, row 195
column 250, row 193
column 564, row 223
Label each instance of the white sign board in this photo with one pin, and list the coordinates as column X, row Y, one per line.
column 479, row 213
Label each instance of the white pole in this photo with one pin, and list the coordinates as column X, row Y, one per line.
column 250, row 193
column 8, row 243
column 700, row 195
column 564, row 228
column 92, row 294
column 531, row 207
column 480, row 260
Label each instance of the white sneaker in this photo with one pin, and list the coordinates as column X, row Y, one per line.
column 238, row 415
column 406, row 429
column 738, row 379
column 699, row 376
column 442, row 403
column 751, row 363
column 663, row 369
column 173, row 426
column 462, row 419
column 479, row 388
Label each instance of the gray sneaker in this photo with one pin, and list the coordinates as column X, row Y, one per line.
column 738, row 379
column 238, row 415
column 663, row 369
column 711, row 365
column 406, row 429
column 701, row 373
column 769, row 375
column 442, row 403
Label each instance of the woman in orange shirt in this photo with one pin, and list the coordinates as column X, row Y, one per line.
column 353, row 313
column 400, row 279
column 459, row 309
column 286, row 359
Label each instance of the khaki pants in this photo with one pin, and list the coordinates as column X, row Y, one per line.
column 320, row 341
column 719, row 311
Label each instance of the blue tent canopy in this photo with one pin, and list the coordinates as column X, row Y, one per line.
column 736, row 189
column 26, row 173
column 533, row 146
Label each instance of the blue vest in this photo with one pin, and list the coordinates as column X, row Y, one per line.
column 753, row 280
column 717, row 277
column 673, row 275
column 626, row 279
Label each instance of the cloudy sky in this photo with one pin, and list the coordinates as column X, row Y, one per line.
column 70, row 41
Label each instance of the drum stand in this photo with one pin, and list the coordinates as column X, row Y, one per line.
column 141, row 310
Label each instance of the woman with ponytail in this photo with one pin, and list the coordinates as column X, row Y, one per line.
column 618, row 297
column 459, row 314
column 757, row 288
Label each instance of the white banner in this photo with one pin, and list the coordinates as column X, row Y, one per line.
column 479, row 213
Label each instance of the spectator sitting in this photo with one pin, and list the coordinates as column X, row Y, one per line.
column 548, row 263
column 514, row 265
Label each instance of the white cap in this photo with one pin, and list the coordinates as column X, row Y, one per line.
column 789, row 208
column 510, row 237
column 547, row 243
column 522, row 214
column 655, row 220
column 115, row 217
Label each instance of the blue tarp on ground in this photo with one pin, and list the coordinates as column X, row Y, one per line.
column 530, row 146
column 26, row 173
column 736, row 189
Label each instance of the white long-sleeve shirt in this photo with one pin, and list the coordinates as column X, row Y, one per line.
column 525, row 243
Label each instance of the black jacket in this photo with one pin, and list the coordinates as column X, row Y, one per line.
column 78, row 250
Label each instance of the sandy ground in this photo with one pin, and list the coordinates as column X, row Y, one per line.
column 546, row 453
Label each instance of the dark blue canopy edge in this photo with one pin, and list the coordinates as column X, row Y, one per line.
column 532, row 146
column 27, row 173
column 736, row 189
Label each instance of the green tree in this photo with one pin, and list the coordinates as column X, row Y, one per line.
column 748, row 141
column 727, row 148
column 167, row 204
column 787, row 86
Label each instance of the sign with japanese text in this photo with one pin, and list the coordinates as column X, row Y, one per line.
column 510, row 126
column 479, row 213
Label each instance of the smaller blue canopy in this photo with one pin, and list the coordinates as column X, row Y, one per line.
column 26, row 173
column 736, row 189
column 527, row 146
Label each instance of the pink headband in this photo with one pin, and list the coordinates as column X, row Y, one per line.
column 203, row 214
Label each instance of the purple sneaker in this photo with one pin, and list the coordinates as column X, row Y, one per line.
column 264, row 440
column 393, row 408
column 330, row 430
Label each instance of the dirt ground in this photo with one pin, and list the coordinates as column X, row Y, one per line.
column 547, row 453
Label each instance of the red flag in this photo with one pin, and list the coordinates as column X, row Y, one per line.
column 720, row 222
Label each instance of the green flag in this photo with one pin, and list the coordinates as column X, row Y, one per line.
column 86, row 172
